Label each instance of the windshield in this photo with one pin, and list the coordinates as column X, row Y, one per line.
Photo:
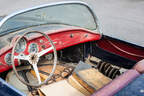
column 1, row 18
column 68, row 14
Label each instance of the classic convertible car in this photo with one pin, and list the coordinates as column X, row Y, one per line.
column 58, row 50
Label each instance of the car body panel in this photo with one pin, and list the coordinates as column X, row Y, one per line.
column 67, row 37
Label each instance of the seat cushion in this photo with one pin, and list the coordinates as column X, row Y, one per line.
column 61, row 88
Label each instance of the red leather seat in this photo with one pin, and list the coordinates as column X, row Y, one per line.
column 121, row 81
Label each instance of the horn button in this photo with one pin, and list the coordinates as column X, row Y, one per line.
column 33, row 59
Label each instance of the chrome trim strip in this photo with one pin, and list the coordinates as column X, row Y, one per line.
column 53, row 4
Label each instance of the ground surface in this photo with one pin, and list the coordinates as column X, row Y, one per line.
column 118, row 18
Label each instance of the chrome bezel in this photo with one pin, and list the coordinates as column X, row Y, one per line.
column 20, row 48
column 6, row 58
column 49, row 56
column 29, row 48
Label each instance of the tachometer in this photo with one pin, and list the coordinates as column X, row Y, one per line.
column 21, row 45
column 33, row 48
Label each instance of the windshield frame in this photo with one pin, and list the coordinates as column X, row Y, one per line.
column 49, row 5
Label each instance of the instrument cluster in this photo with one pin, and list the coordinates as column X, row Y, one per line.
column 21, row 48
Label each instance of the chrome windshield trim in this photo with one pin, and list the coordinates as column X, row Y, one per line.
column 54, row 4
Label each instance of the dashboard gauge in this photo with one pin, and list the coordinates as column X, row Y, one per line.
column 8, row 58
column 49, row 56
column 33, row 48
column 21, row 45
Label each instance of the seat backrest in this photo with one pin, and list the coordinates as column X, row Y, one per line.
column 121, row 81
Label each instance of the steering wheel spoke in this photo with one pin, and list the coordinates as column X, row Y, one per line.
column 22, row 57
column 44, row 51
column 36, row 72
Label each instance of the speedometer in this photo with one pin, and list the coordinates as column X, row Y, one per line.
column 33, row 48
column 21, row 45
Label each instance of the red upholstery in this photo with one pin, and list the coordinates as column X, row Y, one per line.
column 121, row 81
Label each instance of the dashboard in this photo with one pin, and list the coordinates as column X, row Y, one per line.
column 37, row 43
